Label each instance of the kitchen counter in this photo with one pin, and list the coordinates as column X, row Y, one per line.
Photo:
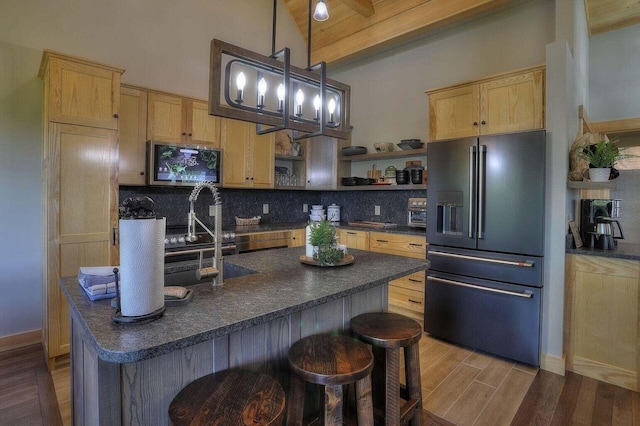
column 268, row 227
column 128, row 373
column 622, row 251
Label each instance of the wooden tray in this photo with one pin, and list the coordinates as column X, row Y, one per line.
column 347, row 260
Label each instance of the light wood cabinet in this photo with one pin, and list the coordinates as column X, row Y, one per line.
column 79, row 91
column 133, row 136
column 174, row 118
column 80, row 193
column 601, row 318
column 248, row 159
column 324, row 171
column 354, row 239
column 507, row 103
column 298, row 237
column 398, row 244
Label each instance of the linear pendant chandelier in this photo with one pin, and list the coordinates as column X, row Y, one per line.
column 269, row 91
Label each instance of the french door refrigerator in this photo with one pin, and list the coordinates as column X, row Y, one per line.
column 485, row 229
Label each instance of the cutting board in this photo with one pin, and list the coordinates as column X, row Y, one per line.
column 368, row 224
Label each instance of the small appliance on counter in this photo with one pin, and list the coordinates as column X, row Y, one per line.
column 597, row 217
column 417, row 212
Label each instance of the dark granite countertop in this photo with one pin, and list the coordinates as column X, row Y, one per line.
column 281, row 286
column 266, row 227
column 622, row 251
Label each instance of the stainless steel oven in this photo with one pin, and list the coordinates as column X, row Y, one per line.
column 417, row 212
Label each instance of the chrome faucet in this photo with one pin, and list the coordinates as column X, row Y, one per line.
column 216, row 271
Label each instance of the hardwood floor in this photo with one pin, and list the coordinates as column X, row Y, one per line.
column 460, row 387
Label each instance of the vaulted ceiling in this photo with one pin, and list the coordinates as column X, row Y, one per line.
column 356, row 27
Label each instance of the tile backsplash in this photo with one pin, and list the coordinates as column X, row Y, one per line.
column 284, row 205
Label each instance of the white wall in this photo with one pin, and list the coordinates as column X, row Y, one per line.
column 162, row 44
column 20, row 174
column 614, row 72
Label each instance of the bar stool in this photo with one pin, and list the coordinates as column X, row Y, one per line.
column 331, row 361
column 387, row 333
column 231, row 398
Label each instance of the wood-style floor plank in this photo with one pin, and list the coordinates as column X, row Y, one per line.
column 503, row 406
column 542, row 399
column 568, row 399
column 603, row 404
column 448, row 392
column 464, row 411
column 622, row 407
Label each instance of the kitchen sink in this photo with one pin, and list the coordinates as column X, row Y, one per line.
column 187, row 278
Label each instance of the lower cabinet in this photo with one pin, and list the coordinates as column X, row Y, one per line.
column 298, row 237
column 353, row 239
column 601, row 319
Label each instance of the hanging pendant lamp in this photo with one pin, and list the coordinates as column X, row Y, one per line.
column 321, row 13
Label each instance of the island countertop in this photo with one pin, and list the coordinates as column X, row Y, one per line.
column 281, row 285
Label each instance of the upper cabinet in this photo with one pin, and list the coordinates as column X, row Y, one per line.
column 324, row 171
column 133, row 136
column 176, row 119
column 80, row 92
column 248, row 158
column 506, row 103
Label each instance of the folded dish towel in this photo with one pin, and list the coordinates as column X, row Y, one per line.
column 89, row 276
column 100, row 291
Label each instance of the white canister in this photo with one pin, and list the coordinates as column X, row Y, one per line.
column 333, row 213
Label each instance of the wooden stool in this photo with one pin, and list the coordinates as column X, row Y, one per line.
column 387, row 333
column 332, row 361
column 230, row 398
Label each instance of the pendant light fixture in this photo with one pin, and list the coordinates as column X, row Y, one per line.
column 321, row 13
column 269, row 91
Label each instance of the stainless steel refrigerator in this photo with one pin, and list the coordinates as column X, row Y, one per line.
column 485, row 229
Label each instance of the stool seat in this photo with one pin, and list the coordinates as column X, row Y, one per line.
column 331, row 361
column 388, row 332
column 230, row 397
column 386, row 329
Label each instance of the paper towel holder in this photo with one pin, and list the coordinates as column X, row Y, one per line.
column 119, row 318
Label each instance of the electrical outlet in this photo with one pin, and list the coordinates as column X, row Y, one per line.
column 377, row 211
column 305, row 208
column 265, row 209
column 212, row 210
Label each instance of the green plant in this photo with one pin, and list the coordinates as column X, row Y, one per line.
column 329, row 256
column 322, row 234
column 604, row 154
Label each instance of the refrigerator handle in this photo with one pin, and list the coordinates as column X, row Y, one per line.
column 481, row 172
column 525, row 294
column 472, row 152
column 518, row 263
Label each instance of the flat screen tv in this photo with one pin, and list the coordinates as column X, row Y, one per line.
column 182, row 165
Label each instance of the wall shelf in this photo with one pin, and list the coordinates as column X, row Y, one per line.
column 422, row 152
column 587, row 184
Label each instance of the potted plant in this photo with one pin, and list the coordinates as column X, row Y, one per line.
column 322, row 237
column 602, row 157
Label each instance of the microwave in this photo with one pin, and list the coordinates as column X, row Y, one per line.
column 417, row 212
column 174, row 164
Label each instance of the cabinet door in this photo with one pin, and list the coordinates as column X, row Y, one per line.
column 83, row 94
column 133, row 136
column 322, row 163
column 204, row 127
column 454, row 113
column 354, row 239
column 165, row 118
column 82, row 211
column 298, row 238
column 262, row 159
column 513, row 103
column 234, row 140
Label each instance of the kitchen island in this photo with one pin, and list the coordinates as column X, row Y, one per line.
column 129, row 373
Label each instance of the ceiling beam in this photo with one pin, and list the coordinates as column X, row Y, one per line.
column 362, row 7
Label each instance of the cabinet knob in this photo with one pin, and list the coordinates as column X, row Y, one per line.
column 190, row 134
column 483, row 122
column 141, row 173
column 475, row 123
column 251, row 178
column 115, row 115
column 184, row 133
column 247, row 178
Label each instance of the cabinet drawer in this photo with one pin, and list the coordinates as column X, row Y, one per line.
column 409, row 299
column 398, row 244
column 413, row 282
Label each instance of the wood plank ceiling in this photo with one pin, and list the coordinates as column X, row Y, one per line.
column 356, row 27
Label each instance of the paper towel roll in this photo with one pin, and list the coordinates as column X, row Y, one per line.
column 141, row 266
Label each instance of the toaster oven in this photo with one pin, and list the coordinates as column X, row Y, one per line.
column 417, row 212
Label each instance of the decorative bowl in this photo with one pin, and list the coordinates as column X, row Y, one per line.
column 354, row 150
column 410, row 144
column 383, row 146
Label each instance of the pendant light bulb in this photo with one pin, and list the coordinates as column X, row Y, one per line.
column 299, row 97
column 321, row 13
column 262, row 86
column 316, row 102
column 280, row 92
column 332, row 105
column 240, row 81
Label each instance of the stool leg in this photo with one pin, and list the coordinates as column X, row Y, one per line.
column 392, row 398
column 333, row 405
column 365, row 402
column 295, row 409
column 414, row 385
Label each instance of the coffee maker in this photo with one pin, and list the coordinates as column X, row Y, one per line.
column 597, row 217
